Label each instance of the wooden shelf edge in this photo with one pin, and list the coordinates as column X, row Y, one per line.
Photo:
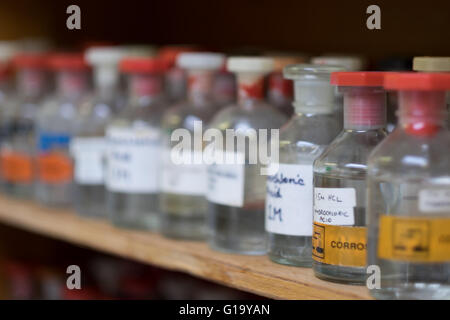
column 254, row 274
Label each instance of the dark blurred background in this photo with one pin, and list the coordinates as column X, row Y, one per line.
column 409, row 27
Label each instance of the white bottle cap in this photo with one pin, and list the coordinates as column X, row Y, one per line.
column 104, row 55
column 200, row 60
column 250, row 64
column 7, row 50
column 431, row 64
column 350, row 63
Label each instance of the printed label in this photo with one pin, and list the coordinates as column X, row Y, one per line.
column 53, row 140
column 434, row 200
column 334, row 206
column 414, row 239
column 339, row 245
column 133, row 160
column 54, row 167
column 89, row 155
column 184, row 178
column 16, row 167
column 226, row 181
column 289, row 200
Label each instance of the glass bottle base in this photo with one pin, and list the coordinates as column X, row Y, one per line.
column 414, row 291
column 340, row 274
column 19, row 190
column 54, row 195
column 237, row 230
column 90, row 201
column 290, row 250
column 179, row 227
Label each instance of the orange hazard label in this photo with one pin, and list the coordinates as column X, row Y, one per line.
column 55, row 167
column 339, row 245
column 17, row 167
column 414, row 239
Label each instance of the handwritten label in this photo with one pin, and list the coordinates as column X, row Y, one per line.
column 334, row 206
column 434, row 200
column 89, row 155
column 185, row 178
column 133, row 160
column 289, row 200
column 226, row 182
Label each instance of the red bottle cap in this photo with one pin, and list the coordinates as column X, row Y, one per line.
column 70, row 61
column 358, row 79
column 31, row 60
column 142, row 65
column 169, row 54
column 417, row 81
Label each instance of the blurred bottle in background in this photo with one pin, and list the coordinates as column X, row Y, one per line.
column 280, row 90
column 224, row 88
column 19, row 116
column 236, row 188
column 289, row 206
column 88, row 148
column 183, row 204
column 55, row 128
column 134, row 147
column 434, row 64
column 175, row 77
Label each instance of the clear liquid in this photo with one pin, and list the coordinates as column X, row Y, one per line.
column 391, row 195
column 183, row 216
column 237, row 230
column 336, row 273
column 134, row 211
column 54, row 195
column 90, row 200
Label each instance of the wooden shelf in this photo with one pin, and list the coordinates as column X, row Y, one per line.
column 256, row 274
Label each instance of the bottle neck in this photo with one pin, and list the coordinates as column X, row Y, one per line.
column 71, row 84
column 200, row 86
column 145, row 86
column 250, row 88
column 314, row 96
column 422, row 113
column 106, row 81
column 31, row 82
column 364, row 108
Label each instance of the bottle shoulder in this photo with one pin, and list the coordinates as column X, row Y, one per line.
column 185, row 114
column 349, row 151
column 402, row 154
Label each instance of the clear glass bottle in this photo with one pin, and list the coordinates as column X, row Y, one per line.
column 408, row 203
column 289, row 198
column 339, row 231
column 88, row 148
column 280, row 90
column 21, row 110
column 183, row 204
column 236, row 189
column 134, row 147
column 56, row 127
column 224, row 88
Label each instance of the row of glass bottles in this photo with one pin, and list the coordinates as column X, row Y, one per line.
column 236, row 208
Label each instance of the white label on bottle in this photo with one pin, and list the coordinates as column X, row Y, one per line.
column 434, row 200
column 185, row 177
column 334, row 206
column 289, row 200
column 89, row 155
column 134, row 157
column 226, row 181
